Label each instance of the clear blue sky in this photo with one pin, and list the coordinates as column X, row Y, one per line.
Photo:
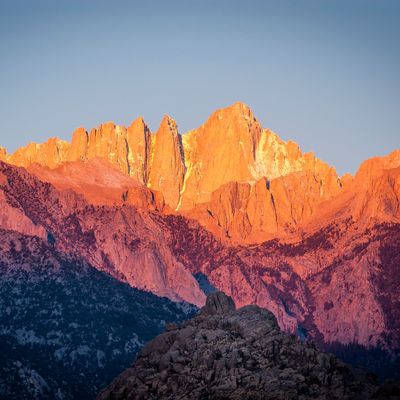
column 323, row 73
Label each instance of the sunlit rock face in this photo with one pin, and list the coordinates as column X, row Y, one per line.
column 231, row 146
column 220, row 151
column 128, row 149
column 167, row 170
column 100, row 183
column 258, row 211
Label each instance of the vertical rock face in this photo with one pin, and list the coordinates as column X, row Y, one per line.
column 239, row 180
column 275, row 158
column 255, row 212
column 138, row 140
column 79, row 145
column 168, row 167
column 126, row 148
column 108, row 141
column 232, row 147
column 220, row 151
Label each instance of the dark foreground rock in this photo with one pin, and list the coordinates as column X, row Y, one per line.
column 225, row 353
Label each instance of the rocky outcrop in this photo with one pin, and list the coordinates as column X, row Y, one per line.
column 138, row 140
column 126, row 148
column 301, row 203
column 225, row 353
column 14, row 218
column 50, row 153
column 218, row 303
column 167, row 166
column 371, row 198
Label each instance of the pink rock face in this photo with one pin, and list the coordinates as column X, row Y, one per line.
column 253, row 213
column 333, row 284
column 13, row 218
column 100, row 183
column 119, row 240
column 51, row 153
column 79, row 145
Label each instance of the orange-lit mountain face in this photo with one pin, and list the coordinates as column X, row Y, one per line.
column 230, row 200
column 230, row 147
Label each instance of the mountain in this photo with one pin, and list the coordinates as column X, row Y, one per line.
column 230, row 147
column 119, row 240
column 227, row 206
column 225, row 353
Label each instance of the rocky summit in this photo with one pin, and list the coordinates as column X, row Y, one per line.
column 224, row 353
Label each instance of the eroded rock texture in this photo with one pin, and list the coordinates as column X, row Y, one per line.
column 225, row 353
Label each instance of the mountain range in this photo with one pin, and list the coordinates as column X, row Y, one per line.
column 229, row 206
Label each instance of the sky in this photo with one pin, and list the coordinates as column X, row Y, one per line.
column 322, row 73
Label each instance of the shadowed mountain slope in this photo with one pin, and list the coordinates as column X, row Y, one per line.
column 225, row 353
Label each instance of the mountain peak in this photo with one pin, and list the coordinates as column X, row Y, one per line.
column 167, row 169
column 234, row 111
column 138, row 122
column 239, row 107
column 168, row 125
